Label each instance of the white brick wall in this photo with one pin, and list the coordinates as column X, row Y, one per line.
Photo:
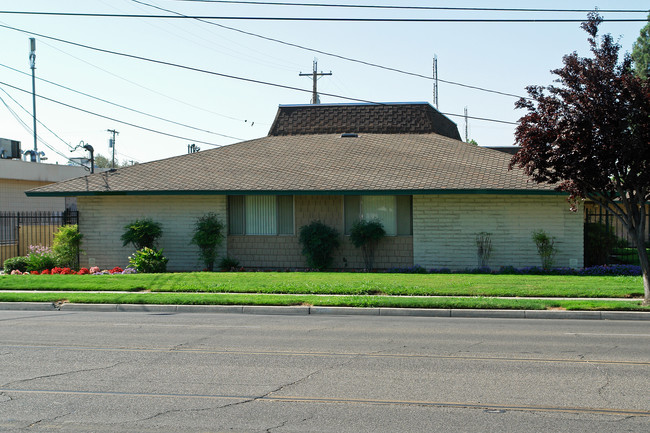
column 445, row 227
column 102, row 221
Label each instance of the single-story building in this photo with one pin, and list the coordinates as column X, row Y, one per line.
column 403, row 163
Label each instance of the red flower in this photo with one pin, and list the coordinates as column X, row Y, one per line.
column 83, row 271
column 116, row 270
column 35, row 273
column 45, row 272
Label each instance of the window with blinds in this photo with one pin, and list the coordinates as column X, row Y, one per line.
column 260, row 215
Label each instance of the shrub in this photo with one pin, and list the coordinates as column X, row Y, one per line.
column 318, row 242
column 484, row 246
column 600, row 241
column 67, row 245
column 147, row 260
column 229, row 263
column 366, row 235
column 15, row 264
column 208, row 235
column 142, row 233
column 40, row 258
column 545, row 248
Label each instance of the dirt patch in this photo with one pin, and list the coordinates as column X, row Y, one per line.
column 58, row 304
column 556, row 308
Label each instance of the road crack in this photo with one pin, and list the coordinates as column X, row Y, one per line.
column 48, row 376
column 48, row 419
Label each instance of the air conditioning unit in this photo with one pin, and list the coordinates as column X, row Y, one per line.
column 9, row 149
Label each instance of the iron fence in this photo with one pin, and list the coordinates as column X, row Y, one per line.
column 604, row 216
column 19, row 230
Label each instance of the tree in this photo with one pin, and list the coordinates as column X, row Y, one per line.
column 641, row 52
column 590, row 135
column 103, row 162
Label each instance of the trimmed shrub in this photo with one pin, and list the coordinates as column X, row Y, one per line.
column 318, row 242
column 545, row 248
column 67, row 245
column 366, row 235
column 229, row 263
column 142, row 233
column 208, row 235
column 149, row 261
column 15, row 264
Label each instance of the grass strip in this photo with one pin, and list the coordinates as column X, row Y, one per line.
column 341, row 284
column 335, row 301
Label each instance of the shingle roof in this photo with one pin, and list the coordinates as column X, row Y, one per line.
column 320, row 163
column 412, row 118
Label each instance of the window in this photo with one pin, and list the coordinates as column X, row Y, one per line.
column 260, row 215
column 393, row 211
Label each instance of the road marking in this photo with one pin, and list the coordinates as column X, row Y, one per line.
column 607, row 335
column 334, row 400
column 326, row 354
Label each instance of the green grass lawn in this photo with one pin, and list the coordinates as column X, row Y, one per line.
column 315, row 300
column 340, row 284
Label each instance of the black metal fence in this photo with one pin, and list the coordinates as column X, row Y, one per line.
column 604, row 216
column 19, row 230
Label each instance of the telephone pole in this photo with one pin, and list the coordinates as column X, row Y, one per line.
column 32, row 65
column 435, row 81
column 315, row 75
column 466, row 124
column 111, row 143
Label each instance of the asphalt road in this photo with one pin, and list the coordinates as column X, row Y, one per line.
column 123, row 372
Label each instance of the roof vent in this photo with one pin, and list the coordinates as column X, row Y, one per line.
column 349, row 134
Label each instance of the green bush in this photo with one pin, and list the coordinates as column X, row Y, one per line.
column 600, row 242
column 15, row 263
column 208, row 236
column 149, row 261
column 366, row 235
column 318, row 242
column 142, row 233
column 41, row 258
column 228, row 263
column 67, row 245
column 545, row 248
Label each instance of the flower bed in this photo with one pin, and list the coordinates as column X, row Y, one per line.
column 95, row 270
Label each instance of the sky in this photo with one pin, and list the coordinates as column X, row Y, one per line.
column 165, row 108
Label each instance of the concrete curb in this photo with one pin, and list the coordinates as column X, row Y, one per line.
column 342, row 311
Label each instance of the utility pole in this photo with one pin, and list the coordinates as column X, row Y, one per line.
column 466, row 125
column 315, row 75
column 32, row 65
column 435, row 81
column 111, row 143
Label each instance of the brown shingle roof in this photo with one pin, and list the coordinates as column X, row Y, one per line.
column 412, row 118
column 410, row 163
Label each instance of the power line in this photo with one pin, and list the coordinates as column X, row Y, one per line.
column 189, row 68
column 350, row 59
column 124, row 107
column 145, row 87
column 112, row 118
column 328, row 19
column 436, row 8
column 28, row 129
